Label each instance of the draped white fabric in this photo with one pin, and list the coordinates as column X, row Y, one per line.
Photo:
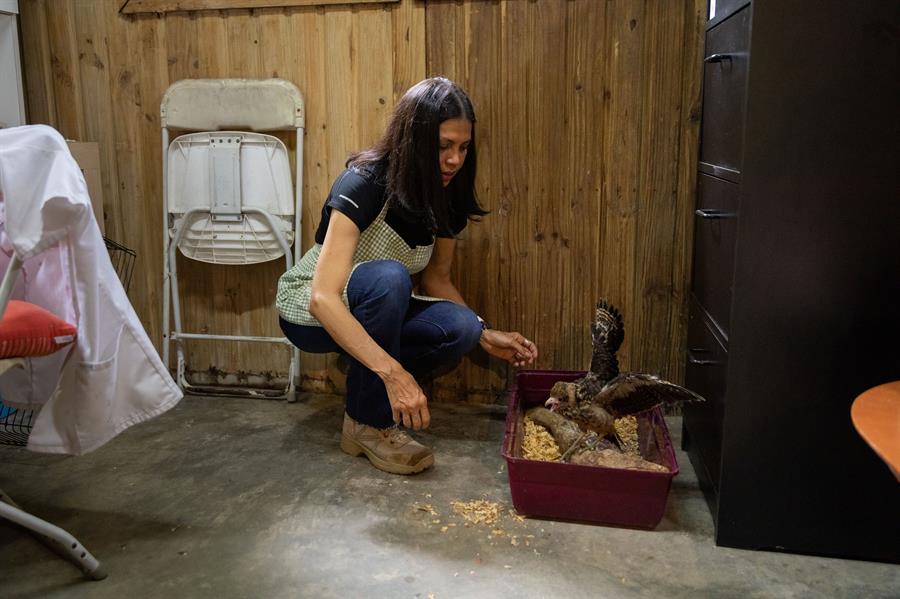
column 112, row 377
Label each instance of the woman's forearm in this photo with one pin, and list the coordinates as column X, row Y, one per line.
column 334, row 316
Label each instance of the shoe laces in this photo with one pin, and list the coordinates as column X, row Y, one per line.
column 396, row 435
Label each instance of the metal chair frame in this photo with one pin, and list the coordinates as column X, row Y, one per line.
column 216, row 105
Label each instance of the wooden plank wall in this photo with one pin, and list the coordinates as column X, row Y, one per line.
column 98, row 75
column 587, row 135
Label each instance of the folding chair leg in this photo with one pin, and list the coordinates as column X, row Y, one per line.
column 54, row 537
column 178, row 335
column 166, row 269
column 166, row 317
column 293, row 375
column 172, row 266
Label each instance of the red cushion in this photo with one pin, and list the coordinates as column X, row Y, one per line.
column 28, row 331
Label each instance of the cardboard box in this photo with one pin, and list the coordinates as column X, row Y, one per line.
column 87, row 155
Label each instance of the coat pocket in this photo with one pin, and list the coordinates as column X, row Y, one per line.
column 95, row 401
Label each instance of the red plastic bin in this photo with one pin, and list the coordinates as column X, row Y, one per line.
column 615, row 496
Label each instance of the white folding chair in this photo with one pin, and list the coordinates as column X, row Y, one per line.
column 227, row 193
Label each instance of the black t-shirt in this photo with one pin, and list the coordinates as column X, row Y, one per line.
column 360, row 195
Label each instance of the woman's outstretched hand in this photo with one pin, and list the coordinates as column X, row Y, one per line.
column 408, row 403
column 512, row 347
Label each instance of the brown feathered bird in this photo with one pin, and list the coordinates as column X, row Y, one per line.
column 596, row 400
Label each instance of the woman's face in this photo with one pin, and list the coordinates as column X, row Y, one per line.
column 455, row 136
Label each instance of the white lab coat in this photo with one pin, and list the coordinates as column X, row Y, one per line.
column 112, row 377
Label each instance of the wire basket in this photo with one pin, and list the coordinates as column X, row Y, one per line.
column 123, row 260
column 16, row 423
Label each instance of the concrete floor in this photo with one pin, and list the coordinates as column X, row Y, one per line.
column 241, row 498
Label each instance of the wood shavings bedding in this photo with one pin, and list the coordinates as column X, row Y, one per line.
column 538, row 443
column 627, row 434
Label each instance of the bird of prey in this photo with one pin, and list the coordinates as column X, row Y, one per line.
column 596, row 400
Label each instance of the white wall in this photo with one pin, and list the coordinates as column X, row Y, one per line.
column 12, row 101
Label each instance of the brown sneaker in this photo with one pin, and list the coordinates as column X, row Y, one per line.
column 389, row 449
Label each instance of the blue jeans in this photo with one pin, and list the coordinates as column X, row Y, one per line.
column 420, row 335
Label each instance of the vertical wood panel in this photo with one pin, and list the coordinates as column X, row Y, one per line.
column 93, row 52
column 374, row 86
column 483, row 377
column 183, row 46
column 307, row 66
column 213, row 44
column 307, row 44
column 506, row 311
column 151, row 78
column 584, row 114
column 341, row 49
column 64, row 69
column 587, row 134
column 655, row 253
column 408, row 26
column 40, row 99
column 441, row 39
column 688, row 141
column 242, row 33
column 123, row 79
column 622, row 168
column 544, row 238
column 274, row 46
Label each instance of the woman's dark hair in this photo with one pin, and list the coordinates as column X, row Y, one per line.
column 411, row 147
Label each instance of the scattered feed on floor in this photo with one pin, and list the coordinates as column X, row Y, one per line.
column 479, row 511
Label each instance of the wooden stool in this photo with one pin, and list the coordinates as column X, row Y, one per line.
column 876, row 415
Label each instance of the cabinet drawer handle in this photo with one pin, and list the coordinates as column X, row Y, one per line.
column 693, row 359
column 718, row 58
column 712, row 213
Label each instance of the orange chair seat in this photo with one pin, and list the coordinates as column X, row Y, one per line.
column 876, row 416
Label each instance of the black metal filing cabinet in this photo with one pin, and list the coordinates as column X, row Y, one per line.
column 795, row 303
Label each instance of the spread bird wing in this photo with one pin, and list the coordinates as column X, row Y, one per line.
column 607, row 334
column 632, row 392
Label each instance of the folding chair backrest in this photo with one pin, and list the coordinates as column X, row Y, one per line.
column 241, row 104
column 229, row 191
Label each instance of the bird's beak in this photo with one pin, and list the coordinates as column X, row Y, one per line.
column 551, row 404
